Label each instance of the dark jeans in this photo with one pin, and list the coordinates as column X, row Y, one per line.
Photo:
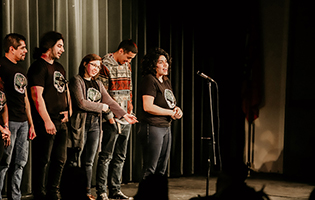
column 112, row 157
column 48, row 148
column 91, row 141
column 156, row 144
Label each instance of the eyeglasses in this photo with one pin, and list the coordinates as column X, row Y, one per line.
column 95, row 65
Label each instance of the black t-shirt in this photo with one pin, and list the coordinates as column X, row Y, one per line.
column 3, row 101
column 93, row 93
column 51, row 77
column 2, row 104
column 163, row 97
column 15, row 82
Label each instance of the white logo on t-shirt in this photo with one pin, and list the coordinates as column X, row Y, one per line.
column 3, row 100
column 20, row 82
column 93, row 95
column 59, row 81
column 170, row 98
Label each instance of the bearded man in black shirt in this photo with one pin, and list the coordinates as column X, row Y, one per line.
column 50, row 114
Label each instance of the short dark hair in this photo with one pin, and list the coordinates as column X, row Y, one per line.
column 12, row 39
column 128, row 46
column 88, row 58
column 149, row 61
column 48, row 40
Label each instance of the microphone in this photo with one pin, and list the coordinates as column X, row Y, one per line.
column 205, row 76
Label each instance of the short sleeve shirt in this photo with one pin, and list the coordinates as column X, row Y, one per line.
column 163, row 97
column 52, row 78
column 15, row 82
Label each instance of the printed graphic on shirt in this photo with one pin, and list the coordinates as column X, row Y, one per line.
column 20, row 83
column 3, row 100
column 93, row 95
column 120, row 85
column 59, row 81
column 170, row 98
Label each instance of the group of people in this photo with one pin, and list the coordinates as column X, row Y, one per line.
column 93, row 112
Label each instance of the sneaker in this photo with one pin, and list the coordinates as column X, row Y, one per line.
column 118, row 195
column 102, row 196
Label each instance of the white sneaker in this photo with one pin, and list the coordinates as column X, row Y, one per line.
column 102, row 196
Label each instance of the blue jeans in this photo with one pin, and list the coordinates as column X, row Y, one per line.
column 91, row 140
column 156, row 143
column 113, row 154
column 20, row 147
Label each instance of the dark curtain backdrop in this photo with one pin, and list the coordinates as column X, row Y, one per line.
column 299, row 125
column 209, row 37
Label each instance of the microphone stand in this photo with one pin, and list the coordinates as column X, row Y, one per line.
column 209, row 140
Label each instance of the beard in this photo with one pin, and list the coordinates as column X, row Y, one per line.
column 55, row 55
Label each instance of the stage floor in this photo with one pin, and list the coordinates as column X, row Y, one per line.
column 185, row 188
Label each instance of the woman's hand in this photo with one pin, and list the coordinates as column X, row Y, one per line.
column 105, row 107
column 131, row 119
column 178, row 113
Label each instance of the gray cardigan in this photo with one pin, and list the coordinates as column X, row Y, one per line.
column 81, row 106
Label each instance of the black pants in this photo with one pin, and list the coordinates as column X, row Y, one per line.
column 48, row 149
column 1, row 147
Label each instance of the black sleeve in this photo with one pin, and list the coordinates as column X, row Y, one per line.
column 36, row 75
column 149, row 86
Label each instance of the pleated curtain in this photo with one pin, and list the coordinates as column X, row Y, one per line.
column 98, row 26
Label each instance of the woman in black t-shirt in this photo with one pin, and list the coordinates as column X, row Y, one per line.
column 89, row 100
column 159, row 109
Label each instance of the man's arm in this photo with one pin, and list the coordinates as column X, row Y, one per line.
column 5, row 132
column 5, row 116
column 31, row 132
column 130, row 106
column 65, row 113
column 36, row 93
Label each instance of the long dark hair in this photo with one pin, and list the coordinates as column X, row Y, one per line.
column 88, row 58
column 48, row 40
column 149, row 61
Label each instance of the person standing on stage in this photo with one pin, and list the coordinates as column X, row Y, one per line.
column 89, row 100
column 50, row 115
column 20, row 124
column 158, row 111
column 116, row 76
column 5, row 139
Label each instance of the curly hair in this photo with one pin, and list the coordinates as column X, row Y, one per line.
column 149, row 61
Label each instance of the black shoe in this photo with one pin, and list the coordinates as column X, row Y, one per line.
column 53, row 196
column 40, row 196
column 118, row 195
